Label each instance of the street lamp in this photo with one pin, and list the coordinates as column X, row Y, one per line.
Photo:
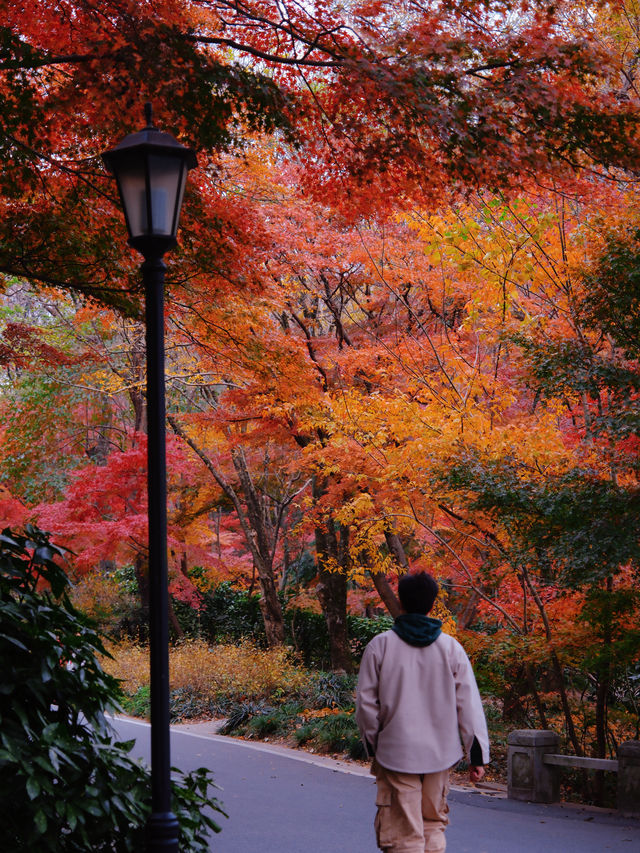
column 150, row 168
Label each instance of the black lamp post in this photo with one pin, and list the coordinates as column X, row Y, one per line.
column 151, row 168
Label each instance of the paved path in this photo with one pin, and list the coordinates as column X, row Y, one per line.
column 280, row 801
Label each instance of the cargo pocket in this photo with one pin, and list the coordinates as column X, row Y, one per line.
column 382, row 822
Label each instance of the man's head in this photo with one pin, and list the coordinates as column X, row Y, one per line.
column 417, row 592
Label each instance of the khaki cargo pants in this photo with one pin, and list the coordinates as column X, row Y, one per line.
column 412, row 810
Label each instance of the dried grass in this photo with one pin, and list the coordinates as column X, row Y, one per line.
column 230, row 671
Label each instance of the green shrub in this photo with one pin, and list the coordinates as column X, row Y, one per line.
column 241, row 713
column 231, row 614
column 187, row 704
column 339, row 733
column 305, row 733
column 226, row 614
column 138, row 705
column 65, row 783
column 307, row 632
column 266, row 724
column 362, row 629
column 331, row 690
column 322, row 717
column 332, row 733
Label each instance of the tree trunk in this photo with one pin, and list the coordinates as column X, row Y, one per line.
column 332, row 558
column 602, row 693
column 556, row 666
column 468, row 614
column 380, row 580
column 141, row 571
column 173, row 621
column 332, row 594
column 536, row 697
column 139, row 626
column 386, row 593
column 262, row 550
column 396, row 548
column 270, row 607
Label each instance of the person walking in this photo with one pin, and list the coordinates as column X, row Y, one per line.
column 416, row 697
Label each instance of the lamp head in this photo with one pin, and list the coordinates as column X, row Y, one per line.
column 150, row 168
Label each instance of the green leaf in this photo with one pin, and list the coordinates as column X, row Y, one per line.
column 40, row 821
column 45, row 671
column 14, row 642
column 92, row 808
column 53, row 758
column 50, row 732
column 22, row 716
column 72, row 818
column 33, row 787
column 43, row 554
column 42, row 762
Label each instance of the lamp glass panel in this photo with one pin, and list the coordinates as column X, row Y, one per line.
column 167, row 186
column 131, row 176
column 181, row 189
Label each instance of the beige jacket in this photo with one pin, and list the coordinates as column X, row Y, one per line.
column 413, row 704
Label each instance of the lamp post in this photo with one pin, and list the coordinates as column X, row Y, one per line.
column 150, row 168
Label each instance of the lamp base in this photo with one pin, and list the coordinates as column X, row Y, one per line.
column 162, row 833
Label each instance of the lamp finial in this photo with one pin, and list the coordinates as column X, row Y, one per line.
column 148, row 113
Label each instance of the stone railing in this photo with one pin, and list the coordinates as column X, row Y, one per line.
column 533, row 769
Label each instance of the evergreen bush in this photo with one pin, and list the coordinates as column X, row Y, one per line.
column 226, row 614
column 65, row 783
column 231, row 614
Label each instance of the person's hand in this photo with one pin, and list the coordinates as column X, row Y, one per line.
column 476, row 774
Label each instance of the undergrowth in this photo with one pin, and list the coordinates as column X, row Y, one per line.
column 206, row 679
column 262, row 693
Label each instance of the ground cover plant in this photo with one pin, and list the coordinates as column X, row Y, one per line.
column 66, row 783
column 213, row 676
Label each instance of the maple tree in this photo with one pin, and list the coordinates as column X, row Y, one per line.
column 73, row 448
column 260, row 503
column 43, row 375
column 473, row 391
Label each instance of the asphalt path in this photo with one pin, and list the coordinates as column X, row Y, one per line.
column 280, row 801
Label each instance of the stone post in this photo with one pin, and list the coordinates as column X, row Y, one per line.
column 629, row 778
column 528, row 778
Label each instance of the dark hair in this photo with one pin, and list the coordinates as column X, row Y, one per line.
column 417, row 592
